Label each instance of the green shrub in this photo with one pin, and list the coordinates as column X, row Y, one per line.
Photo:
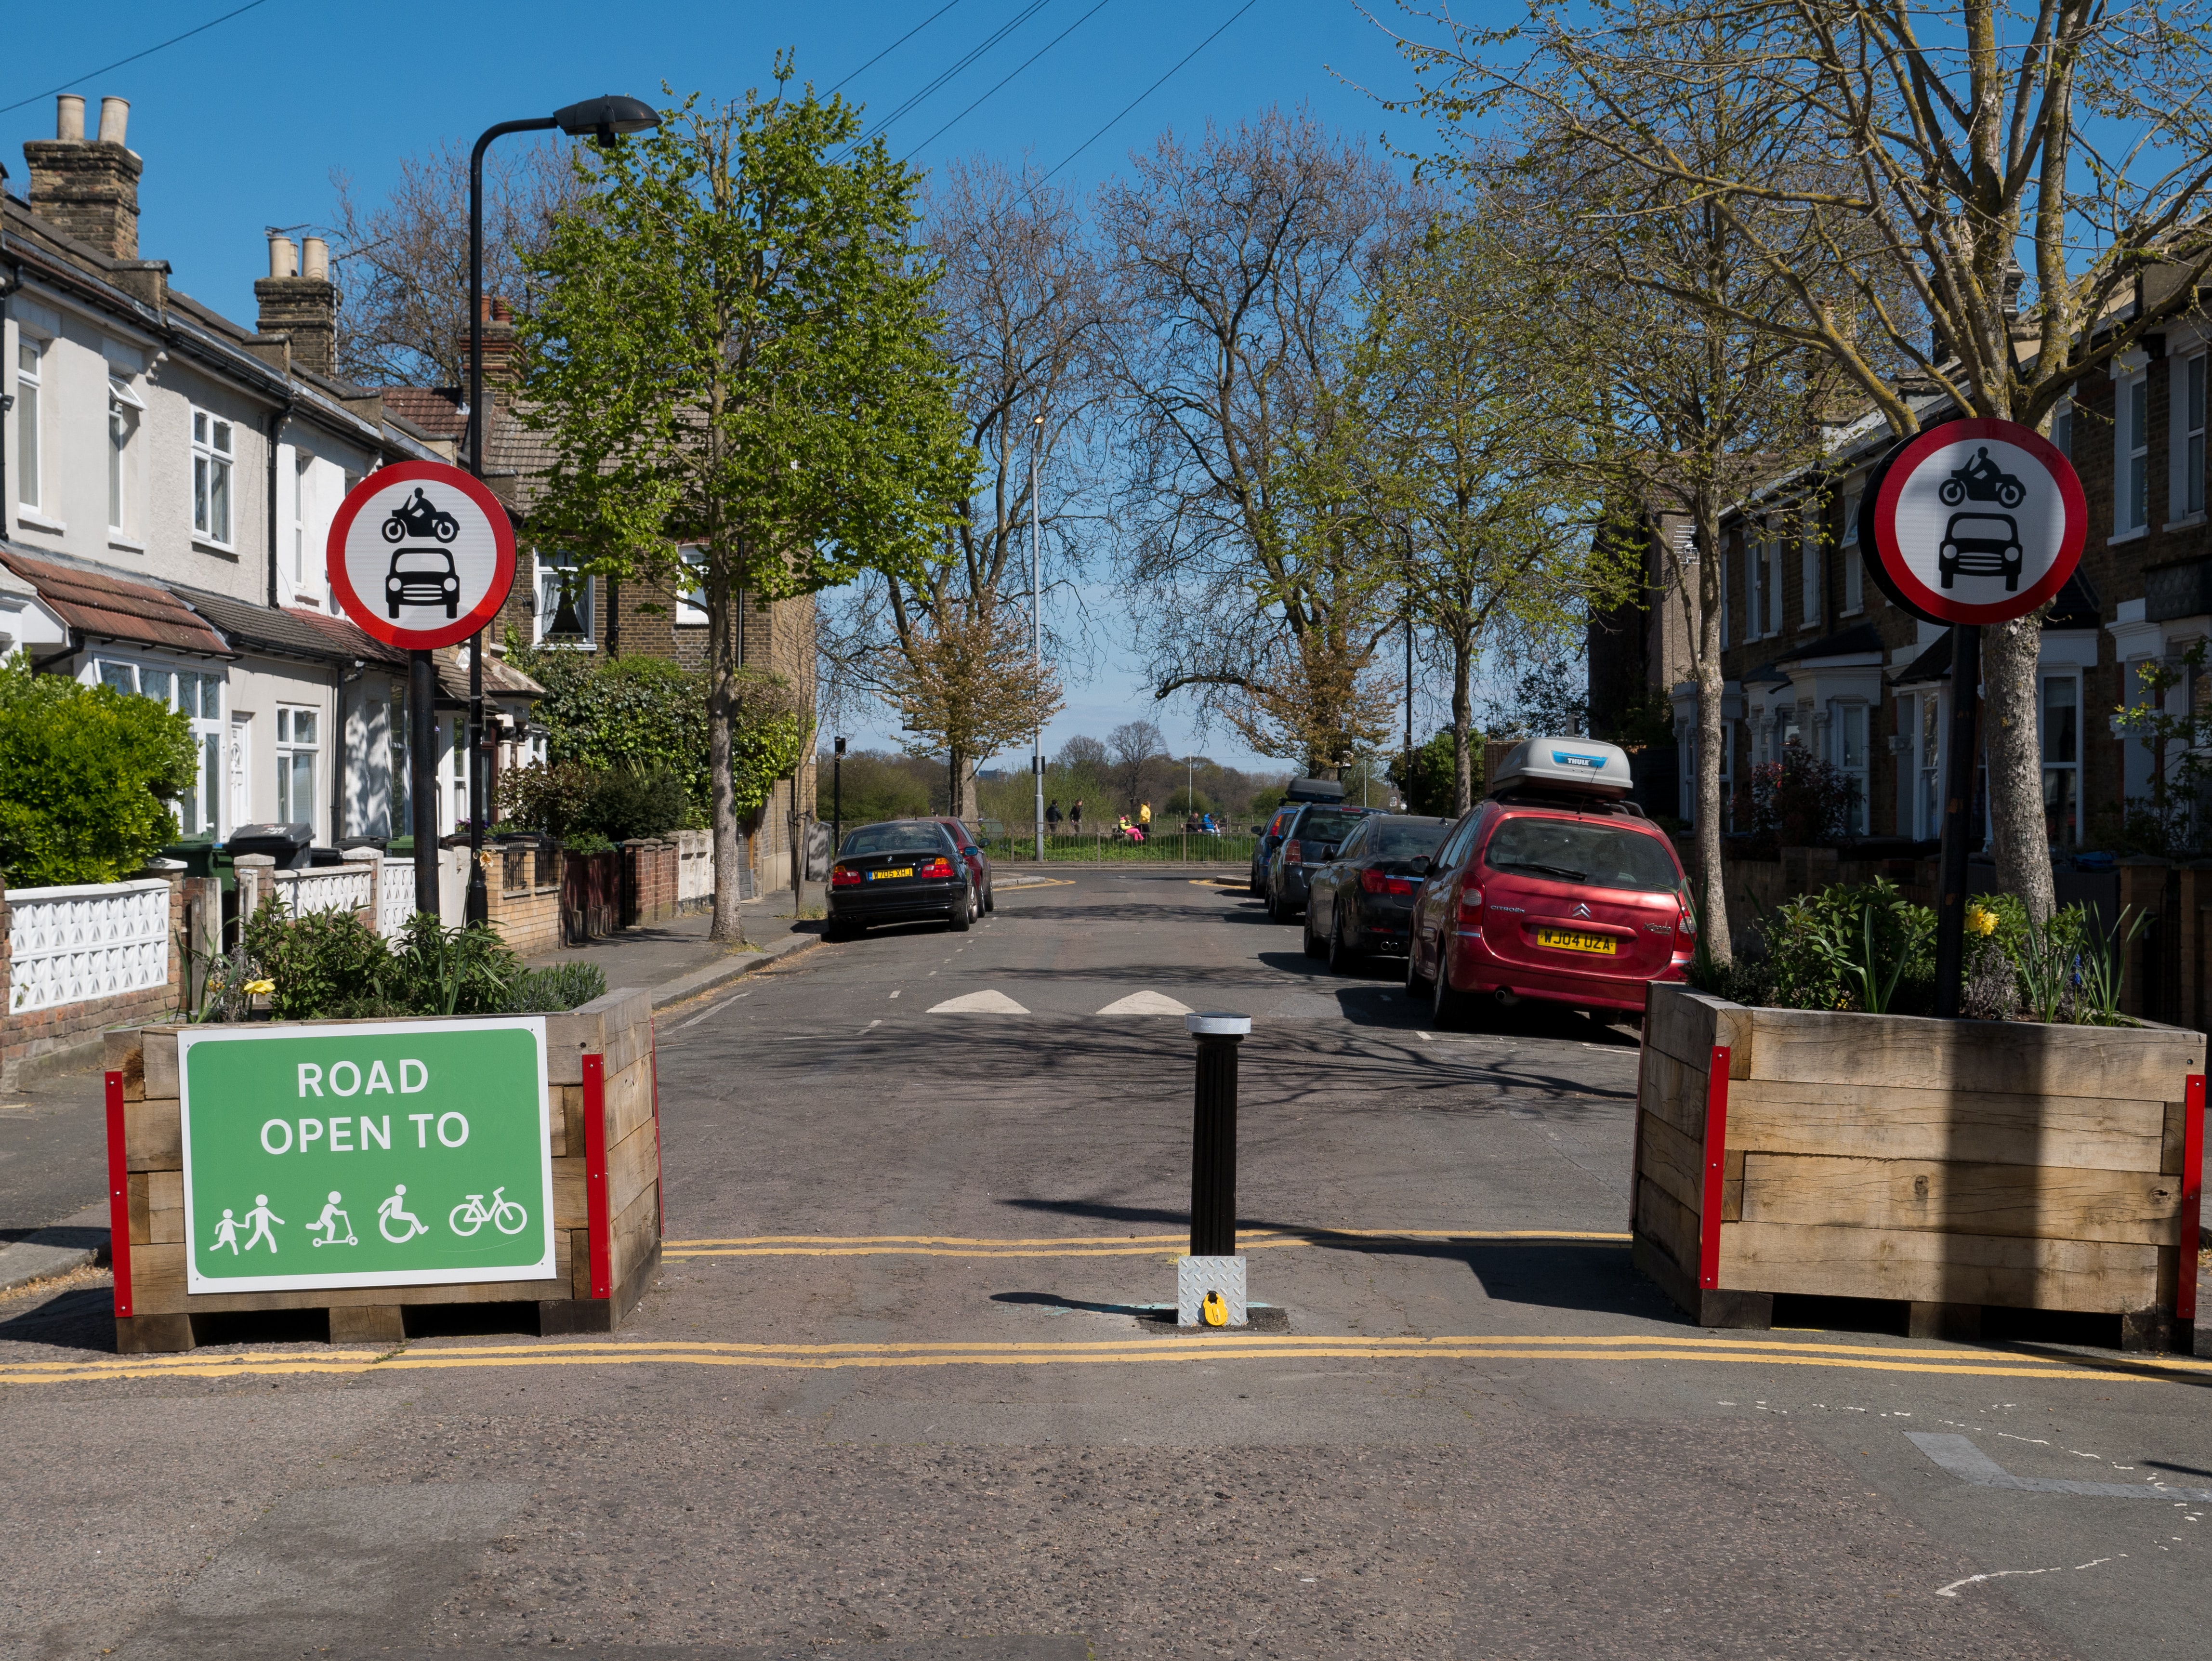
column 623, row 712
column 551, row 798
column 548, row 991
column 321, row 964
column 630, row 802
column 86, row 776
column 586, row 842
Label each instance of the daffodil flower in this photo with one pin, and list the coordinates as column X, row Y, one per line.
column 261, row 988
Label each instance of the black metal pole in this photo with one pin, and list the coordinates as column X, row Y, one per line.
column 837, row 799
column 422, row 774
column 1959, row 829
column 1214, row 1135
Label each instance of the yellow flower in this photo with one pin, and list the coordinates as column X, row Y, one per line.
column 1980, row 920
column 261, row 988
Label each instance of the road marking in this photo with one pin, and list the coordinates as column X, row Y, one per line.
column 1145, row 1003
column 710, row 1009
column 1096, row 1245
column 1134, row 1350
column 988, row 1002
column 1959, row 1456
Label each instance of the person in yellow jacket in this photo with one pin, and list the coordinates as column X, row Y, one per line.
column 1144, row 814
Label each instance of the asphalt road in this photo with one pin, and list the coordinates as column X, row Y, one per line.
column 892, row 1396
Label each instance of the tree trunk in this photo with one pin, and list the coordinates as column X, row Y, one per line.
column 2009, row 744
column 1462, row 725
column 1712, row 904
column 721, row 653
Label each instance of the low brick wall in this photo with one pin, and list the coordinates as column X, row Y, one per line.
column 651, row 872
column 522, row 888
column 33, row 1042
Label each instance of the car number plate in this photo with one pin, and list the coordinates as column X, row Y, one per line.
column 1572, row 939
column 880, row 876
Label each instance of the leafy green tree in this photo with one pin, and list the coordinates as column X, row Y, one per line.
column 1428, row 777
column 86, row 776
column 732, row 361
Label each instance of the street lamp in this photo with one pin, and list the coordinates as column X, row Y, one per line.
column 1036, row 637
column 837, row 799
column 604, row 119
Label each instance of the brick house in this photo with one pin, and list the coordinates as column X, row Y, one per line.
column 1814, row 655
column 612, row 616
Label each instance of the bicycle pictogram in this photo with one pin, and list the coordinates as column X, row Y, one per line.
column 471, row 1214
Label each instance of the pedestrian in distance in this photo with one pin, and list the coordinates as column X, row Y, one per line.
column 1075, row 816
column 1052, row 813
column 1145, row 815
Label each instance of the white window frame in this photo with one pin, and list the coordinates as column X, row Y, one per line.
column 302, row 464
column 1755, row 579
column 691, row 603
column 1811, row 601
column 1841, row 711
column 126, row 426
column 1724, row 597
column 2189, row 411
column 291, row 750
column 213, row 465
column 1928, row 758
column 545, row 601
column 29, row 460
column 128, row 672
column 2061, row 428
column 2044, row 679
column 2131, row 453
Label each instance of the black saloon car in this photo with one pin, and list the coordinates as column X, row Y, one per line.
column 896, row 872
column 1362, row 901
column 1310, row 839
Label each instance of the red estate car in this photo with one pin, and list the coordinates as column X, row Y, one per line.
column 979, row 862
column 1557, row 888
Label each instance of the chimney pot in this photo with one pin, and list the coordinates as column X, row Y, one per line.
column 89, row 192
column 69, row 119
column 317, row 255
column 283, row 257
column 114, row 119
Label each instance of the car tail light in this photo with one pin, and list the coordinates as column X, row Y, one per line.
column 1373, row 882
column 843, row 876
column 1685, row 922
column 1292, row 855
column 1470, row 905
column 940, row 867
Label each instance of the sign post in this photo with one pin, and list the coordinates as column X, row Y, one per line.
column 1974, row 522
column 421, row 555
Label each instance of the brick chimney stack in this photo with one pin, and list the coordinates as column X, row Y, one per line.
column 299, row 300
column 502, row 366
column 89, row 190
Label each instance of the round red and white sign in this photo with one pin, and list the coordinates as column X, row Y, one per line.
column 1975, row 522
column 421, row 555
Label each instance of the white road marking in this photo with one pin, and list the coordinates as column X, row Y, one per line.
column 710, row 1010
column 895, row 994
column 1145, row 1003
column 979, row 1003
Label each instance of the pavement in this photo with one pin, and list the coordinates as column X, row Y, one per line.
column 893, row 1395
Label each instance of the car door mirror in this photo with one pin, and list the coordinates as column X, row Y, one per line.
column 971, row 852
column 1422, row 865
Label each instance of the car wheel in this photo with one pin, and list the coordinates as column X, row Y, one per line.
column 991, row 897
column 1342, row 959
column 1453, row 1009
column 961, row 916
column 833, row 932
column 1416, row 983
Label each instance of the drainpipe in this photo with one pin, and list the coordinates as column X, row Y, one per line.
column 11, row 278
column 276, row 427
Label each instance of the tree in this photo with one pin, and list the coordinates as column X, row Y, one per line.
column 733, row 364
column 1927, row 144
column 1133, row 746
column 405, row 261
column 968, row 684
column 1021, row 313
column 1428, row 776
column 1241, row 259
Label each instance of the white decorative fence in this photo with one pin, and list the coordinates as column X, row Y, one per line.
column 326, row 888
column 395, row 897
column 93, row 940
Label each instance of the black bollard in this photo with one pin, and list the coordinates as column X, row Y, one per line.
column 1213, row 1134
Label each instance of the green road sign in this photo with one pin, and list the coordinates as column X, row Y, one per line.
column 382, row 1154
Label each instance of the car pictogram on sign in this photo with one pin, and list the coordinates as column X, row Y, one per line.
column 1980, row 544
column 422, row 576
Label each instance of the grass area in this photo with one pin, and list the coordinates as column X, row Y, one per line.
column 1170, row 847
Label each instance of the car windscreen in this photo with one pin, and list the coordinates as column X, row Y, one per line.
column 897, row 837
column 1328, row 827
column 1398, row 839
column 1574, row 850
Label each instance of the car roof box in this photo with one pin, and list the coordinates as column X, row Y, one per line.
column 1583, row 767
column 1314, row 790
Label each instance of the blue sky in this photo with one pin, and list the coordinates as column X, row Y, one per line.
column 241, row 126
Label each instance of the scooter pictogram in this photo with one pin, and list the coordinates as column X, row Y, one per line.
column 1982, row 480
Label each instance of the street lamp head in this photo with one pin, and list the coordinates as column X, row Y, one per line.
column 606, row 117
column 841, row 747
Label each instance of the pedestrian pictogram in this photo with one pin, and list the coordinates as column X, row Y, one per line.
column 261, row 1216
column 421, row 555
column 1975, row 522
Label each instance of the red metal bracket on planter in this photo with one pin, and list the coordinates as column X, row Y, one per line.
column 119, row 1195
column 1716, row 1174
column 595, row 1175
column 2192, row 1196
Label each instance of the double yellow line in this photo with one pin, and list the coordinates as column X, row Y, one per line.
column 1093, row 1245
column 1132, row 1349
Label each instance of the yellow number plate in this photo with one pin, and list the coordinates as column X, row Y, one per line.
column 880, row 876
column 1569, row 939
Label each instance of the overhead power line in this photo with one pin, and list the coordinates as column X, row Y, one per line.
column 65, row 85
column 1149, row 90
column 965, row 59
column 1010, row 75
column 894, row 46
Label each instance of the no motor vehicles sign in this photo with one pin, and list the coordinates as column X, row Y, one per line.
column 421, row 555
column 381, row 1154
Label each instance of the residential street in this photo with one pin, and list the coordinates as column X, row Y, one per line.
column 890, row 1396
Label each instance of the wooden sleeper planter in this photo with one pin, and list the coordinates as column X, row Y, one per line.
column 603, row 1136
column 1949, row 1166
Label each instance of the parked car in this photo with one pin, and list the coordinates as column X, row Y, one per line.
column 1362, row 901
column 979, row 862
column 1557, row 888
column 1311, row 838
column 896, row 871
column 1271, row 838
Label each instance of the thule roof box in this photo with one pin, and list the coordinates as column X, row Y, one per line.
column 1314, row 790
column 1580, row 767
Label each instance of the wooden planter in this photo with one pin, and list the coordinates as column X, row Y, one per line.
column 605, row 1129
column 1945, row 1164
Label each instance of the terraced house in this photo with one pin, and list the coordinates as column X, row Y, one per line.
column 1815, row 655
column 168, row 478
